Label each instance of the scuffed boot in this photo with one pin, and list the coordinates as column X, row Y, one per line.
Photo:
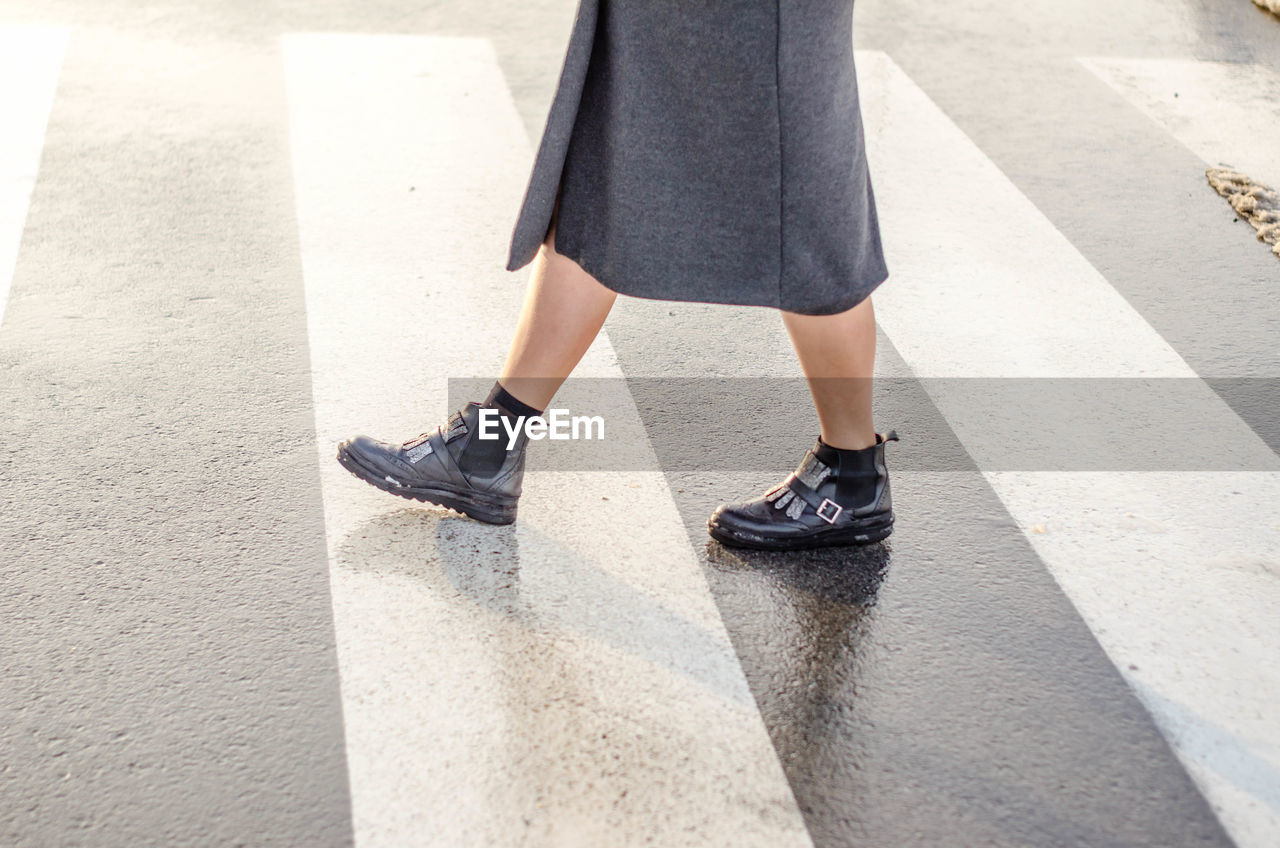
column 432, row 467
column 834, row 497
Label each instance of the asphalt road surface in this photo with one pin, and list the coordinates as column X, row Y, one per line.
column 234, row 233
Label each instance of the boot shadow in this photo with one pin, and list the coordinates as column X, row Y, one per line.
column 848, row 576
column 547, row 590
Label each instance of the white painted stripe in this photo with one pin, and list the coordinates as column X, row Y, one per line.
column 564, row 681
column 1177, row 574
column 30, row 60
column 1227, row 113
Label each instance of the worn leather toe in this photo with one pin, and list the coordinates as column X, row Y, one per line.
column 376, row 455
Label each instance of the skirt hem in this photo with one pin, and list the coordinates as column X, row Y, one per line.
column 843, row 304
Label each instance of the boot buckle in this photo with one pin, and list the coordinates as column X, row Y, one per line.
column 835, row 510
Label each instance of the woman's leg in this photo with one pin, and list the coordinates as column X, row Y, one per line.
column 564, row 309
column 838, row 355
column 456, row 465
column 839, row 493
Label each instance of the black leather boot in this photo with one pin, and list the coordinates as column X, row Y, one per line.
column 832, row 498
column 427, row 468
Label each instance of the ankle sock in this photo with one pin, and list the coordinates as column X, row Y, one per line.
column 508, row 403
column 485, row 456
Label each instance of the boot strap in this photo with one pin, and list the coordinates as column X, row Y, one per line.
column 827, row 509
column 455, row 427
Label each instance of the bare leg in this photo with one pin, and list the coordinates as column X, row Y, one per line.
column 838, row 354
column 564, row 309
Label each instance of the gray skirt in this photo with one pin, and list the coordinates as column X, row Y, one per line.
column 709, row 152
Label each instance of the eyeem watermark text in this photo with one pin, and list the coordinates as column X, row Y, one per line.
column 557, row 424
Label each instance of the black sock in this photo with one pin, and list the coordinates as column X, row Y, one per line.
column 485, row 456
column 509, row 403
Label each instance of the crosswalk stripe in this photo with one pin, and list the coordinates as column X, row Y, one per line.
column 500, row 685
column 1227, row 113
column 30, row 60
column 1174, row 572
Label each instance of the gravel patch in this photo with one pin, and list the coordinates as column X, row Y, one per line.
column 1254, row 202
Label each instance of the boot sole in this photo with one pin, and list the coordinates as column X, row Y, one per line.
column 873, row 530
column 490, row 511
